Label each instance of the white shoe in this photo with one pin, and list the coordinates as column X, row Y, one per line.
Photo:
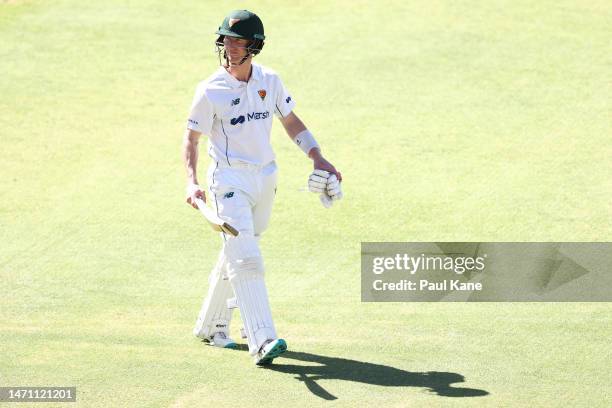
column 219, row 339
column 269, row 351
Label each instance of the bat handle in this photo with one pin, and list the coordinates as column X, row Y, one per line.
column 200, row 203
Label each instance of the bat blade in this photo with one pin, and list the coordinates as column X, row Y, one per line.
column 216, row 222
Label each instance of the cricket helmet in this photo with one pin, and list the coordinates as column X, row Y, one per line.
column 243, row 24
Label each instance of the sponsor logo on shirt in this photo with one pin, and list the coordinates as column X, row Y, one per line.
column 229, row 195
column 238, row 120
column 235, row 101
column 249, row 117
column 193, row 122
column 258, row 115
column 288, row 99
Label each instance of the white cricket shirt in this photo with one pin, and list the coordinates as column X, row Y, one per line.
column 237, row 116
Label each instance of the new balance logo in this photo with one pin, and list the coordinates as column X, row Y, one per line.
column 229, row 195
column 288, row 99
column 235, row 101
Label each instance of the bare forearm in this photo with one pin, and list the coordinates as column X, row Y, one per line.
column 294, row 126
column 190, row 157
column 315, row 154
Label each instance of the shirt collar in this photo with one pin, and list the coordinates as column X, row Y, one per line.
column 256, row 72
column 234, row 83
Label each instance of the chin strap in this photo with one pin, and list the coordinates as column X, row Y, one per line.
column 241, row 61
column 221, row 50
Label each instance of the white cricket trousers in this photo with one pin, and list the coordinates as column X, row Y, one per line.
column 242, row 194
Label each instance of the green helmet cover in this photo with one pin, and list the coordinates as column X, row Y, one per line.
column 242, row 24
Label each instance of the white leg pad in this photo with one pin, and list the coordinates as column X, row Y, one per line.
column 246, row 275
column 232, row 303
column 214, row 315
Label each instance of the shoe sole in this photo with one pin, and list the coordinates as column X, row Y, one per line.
column 279, row 348
column 228, row 345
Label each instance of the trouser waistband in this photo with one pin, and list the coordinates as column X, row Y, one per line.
column 236, row 164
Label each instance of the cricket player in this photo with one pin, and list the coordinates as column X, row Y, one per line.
column 234, row 108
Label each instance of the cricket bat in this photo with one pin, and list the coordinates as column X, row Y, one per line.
column 214, row 220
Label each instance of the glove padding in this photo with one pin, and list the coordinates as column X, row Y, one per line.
column 326, row 185
column 334, row 191
column 317, row 182
column 326, row 200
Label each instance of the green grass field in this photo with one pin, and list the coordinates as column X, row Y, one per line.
column 450, row 121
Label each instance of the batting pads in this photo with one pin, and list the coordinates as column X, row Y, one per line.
column 246, row 276
column 215, row 316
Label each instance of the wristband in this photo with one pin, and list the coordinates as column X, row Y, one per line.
column 306, row 141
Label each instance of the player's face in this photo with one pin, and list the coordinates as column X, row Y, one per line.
column 235, row 48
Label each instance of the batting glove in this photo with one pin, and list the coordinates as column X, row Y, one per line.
column 326, row 185
column 317, row 182
column 334, row 190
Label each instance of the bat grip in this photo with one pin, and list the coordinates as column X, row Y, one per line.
column 200, row 203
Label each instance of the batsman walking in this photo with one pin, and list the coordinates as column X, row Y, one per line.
column 234, row 108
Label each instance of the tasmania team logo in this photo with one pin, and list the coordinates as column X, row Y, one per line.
column 262, row 94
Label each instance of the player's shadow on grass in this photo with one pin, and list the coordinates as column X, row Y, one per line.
column 333, row 368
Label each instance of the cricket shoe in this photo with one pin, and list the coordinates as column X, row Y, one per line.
column 219, row 339
column 269, row 351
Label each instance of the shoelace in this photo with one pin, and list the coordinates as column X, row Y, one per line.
column 222, row 335
column 261, row 349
